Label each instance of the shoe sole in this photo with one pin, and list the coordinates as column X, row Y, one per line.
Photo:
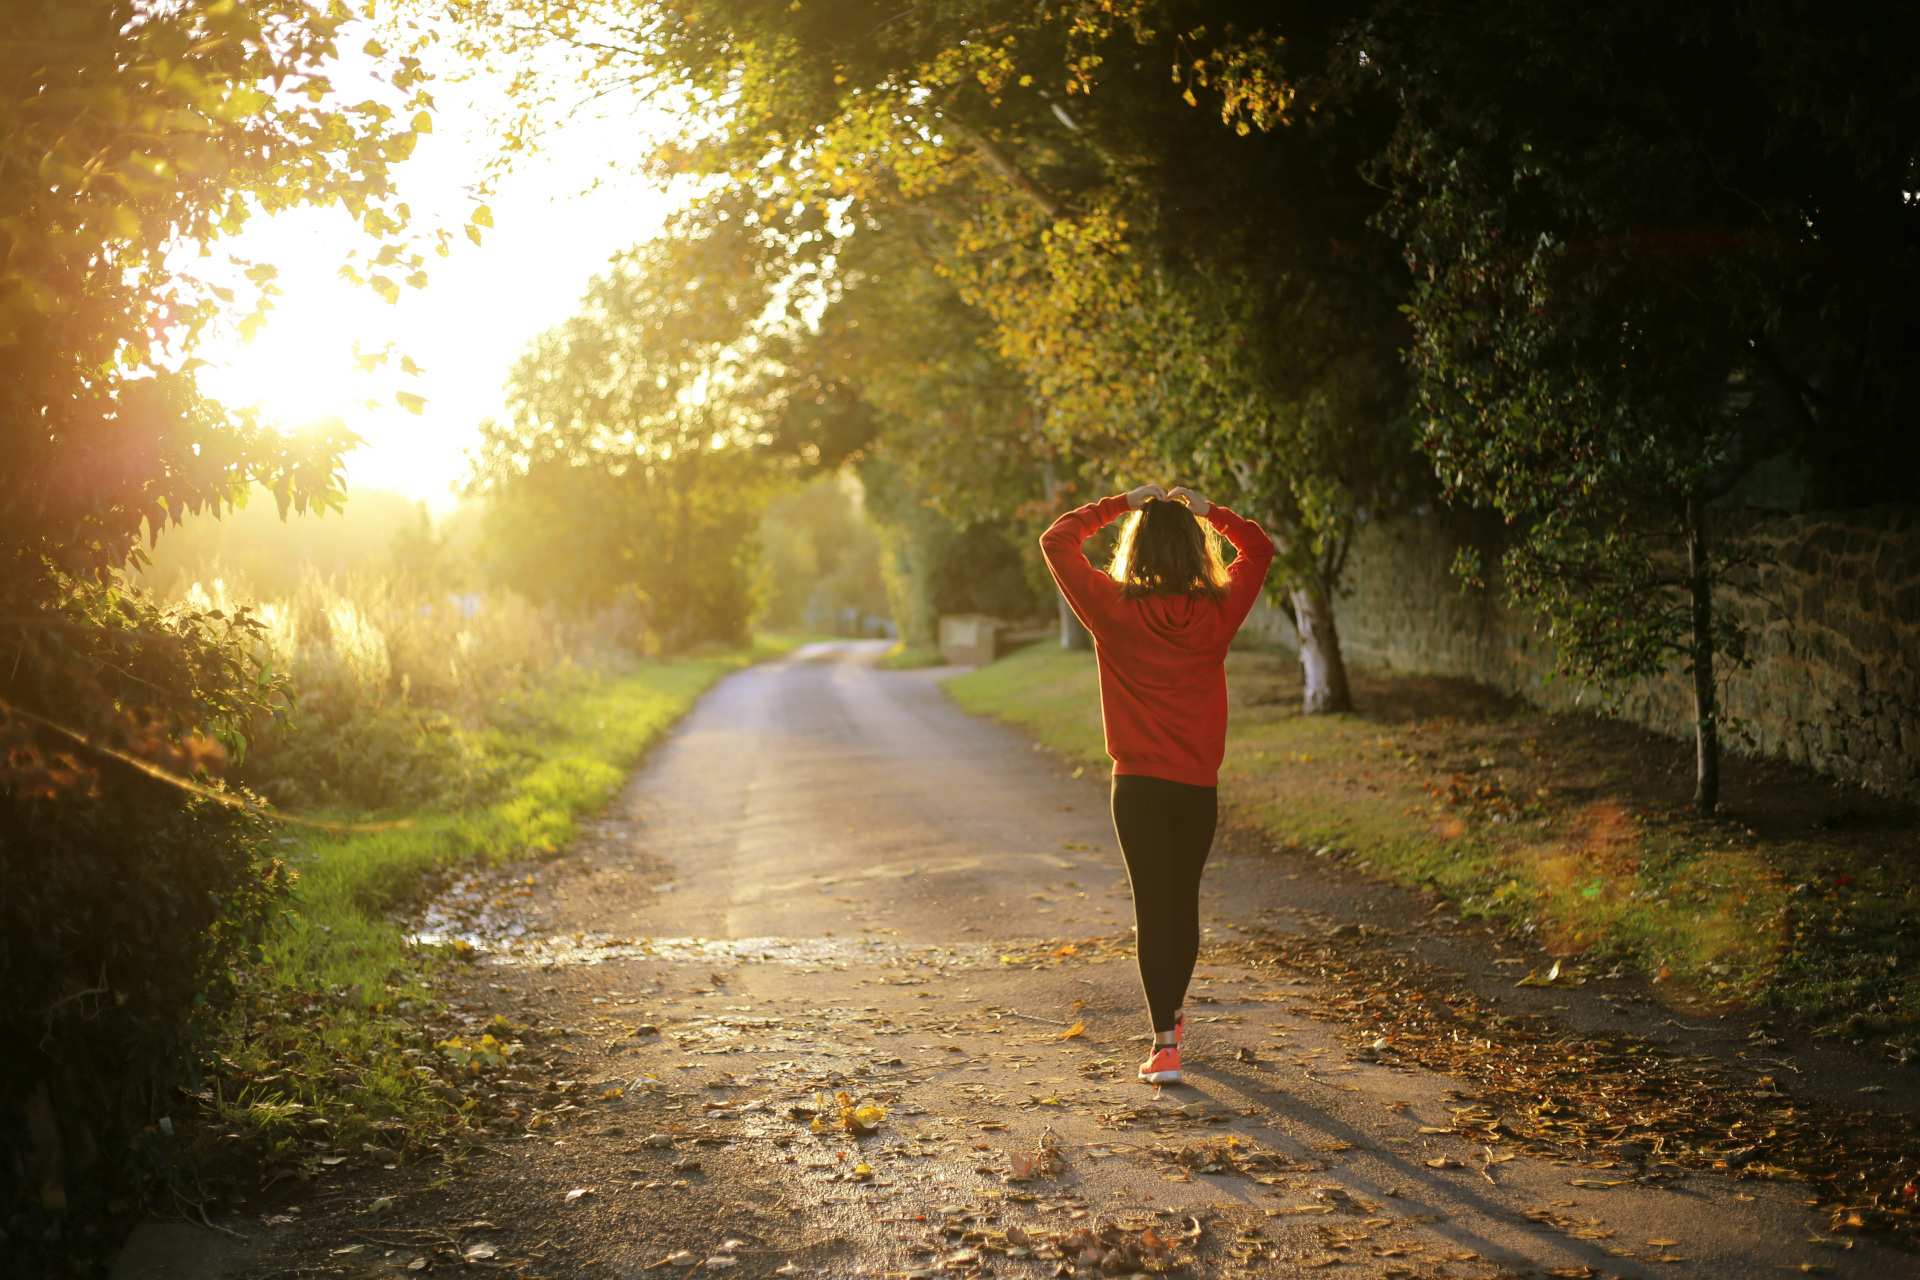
column 1160, row 1077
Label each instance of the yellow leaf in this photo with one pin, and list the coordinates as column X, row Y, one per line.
column 482, row 216
column 1073, row 1032
column 422, row 122
column 410, row 402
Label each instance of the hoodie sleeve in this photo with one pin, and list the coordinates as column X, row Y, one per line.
column 1248, row 573
column 1091, row 593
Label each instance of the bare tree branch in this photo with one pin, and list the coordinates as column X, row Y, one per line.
column 1004, row 165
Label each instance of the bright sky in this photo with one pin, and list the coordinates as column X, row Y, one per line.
column 483, row 305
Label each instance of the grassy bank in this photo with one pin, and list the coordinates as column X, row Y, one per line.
column 903, row 657
column 1799, row 897
column 328, row 1036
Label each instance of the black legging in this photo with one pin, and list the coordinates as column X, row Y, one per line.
column 1165, row 830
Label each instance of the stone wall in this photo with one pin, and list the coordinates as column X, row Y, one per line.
column 1832, row 605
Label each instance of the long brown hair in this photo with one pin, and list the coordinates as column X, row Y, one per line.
column 1165, row 551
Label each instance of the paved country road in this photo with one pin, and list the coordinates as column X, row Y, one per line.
column 829, row 879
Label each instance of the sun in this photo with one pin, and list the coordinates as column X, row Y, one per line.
column 302, row 366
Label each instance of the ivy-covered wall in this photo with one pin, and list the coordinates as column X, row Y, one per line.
column 1832, row 602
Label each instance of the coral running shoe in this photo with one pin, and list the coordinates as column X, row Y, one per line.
column 1163, row 1067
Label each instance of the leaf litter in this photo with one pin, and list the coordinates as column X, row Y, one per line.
column 1647, row 1113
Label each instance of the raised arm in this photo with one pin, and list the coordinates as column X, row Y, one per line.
column 1091, row 593
column 1248, row 572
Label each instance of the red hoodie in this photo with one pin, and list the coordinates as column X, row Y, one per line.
column 1163, row 688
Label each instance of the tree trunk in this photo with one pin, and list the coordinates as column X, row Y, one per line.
column 1706, row 733
column 1320, row 661
column 1073, row 634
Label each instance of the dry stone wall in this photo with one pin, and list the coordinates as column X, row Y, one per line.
column 1832, row 604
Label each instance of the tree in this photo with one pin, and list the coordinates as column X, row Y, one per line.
column 1167, row 315
column 133, row 136
column 1653, row 246
column 128, row 135
column 631, row 469
column 956, row 472
column 820, row 557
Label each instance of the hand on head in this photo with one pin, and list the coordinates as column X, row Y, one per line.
column 1137, row 498
column 1199, row 504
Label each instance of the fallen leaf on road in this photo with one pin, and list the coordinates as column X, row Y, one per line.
column 480, row 1253
column 1074, row 1032
column 1552, row 978
column 1445, row 1162
column 680, row 1259
column 579, row 1193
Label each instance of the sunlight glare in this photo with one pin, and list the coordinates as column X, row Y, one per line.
column 557, row 220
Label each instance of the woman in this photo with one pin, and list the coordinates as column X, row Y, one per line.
column 1162, row 618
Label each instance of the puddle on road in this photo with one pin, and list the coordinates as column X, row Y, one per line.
column 594, row 948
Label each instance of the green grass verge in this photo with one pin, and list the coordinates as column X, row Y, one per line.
column 903, row 658
column 1544, row 824
column 585, row 744
column 326, row 1028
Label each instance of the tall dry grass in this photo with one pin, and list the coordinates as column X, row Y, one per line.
column 404, row 696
